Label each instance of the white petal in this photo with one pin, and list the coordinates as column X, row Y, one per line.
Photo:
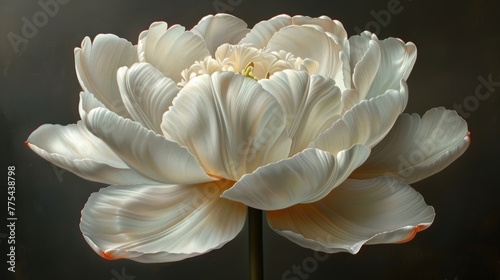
column 306, row 177
column 262, row 32
column 160, row 223
column 366, row 123
column 307, row 42
column 220, row 29
column 359, row 45
column 238, row 57
column 380, row 210
column 311, row 104
column 333, row 28
column 396, row 62
column 87, row 103
column 149, row 153
column 350, row 97
column 96, row 65
column 366, row 70
column 170, row 50
column 74, row 148
column 229, row 123
column 147, row 94
column 418, row 148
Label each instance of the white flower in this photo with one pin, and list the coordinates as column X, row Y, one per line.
column 293, row 117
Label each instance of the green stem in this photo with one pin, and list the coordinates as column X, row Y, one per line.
column 255, row 244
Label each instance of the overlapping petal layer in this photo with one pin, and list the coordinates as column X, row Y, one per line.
column 96, row 64
column 170, row 50
column 366, row 123
column 379, row 65
column 146, row 93
column 229, row 122
column 220, row 29
column 145, row 151
column 310, row 103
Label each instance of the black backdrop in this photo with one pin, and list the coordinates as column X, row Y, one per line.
column 458, row 46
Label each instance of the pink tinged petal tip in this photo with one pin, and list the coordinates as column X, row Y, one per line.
column 413, row 233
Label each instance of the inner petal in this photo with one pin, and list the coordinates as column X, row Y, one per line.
column 229, row 123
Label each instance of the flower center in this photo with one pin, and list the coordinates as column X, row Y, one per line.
column 248, row 71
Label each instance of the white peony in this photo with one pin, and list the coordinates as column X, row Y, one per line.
column 189, row 128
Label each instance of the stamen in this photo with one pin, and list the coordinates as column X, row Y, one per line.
column 248, row 71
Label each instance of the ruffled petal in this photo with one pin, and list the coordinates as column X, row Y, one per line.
column 366, row 70
column 145, row 151
column 417, row 148
column 160, row 223
column 147, row 94
column 87, row 103
column 236, row 58
column 311, row 104
column 229, row 123
column 96, row 64
column 74, row 148
column 395, row 63
column 366, row 123
column 220, row 29
column 306, row 177
column 373, row 211
column 170, row 50
column 263, row 31
column 359, row 45
column 308, row 42
column 333, row 28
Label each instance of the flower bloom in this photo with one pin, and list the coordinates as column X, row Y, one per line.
column 189, row 128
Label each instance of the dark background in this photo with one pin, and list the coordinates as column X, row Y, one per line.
column 458, row 43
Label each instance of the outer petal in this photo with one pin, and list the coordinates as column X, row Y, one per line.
column 380, row 210
column 147, row 94
column 417, row 148
column 311, row 104
column 149, row 153
column 160, row 223
column 395, row 63
column 74, row 148
column 220, row 29
column 96, row 65
column 366, row 123
column 229, row 123
column 308, row 42
column 172, row 50
column 306, row 177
